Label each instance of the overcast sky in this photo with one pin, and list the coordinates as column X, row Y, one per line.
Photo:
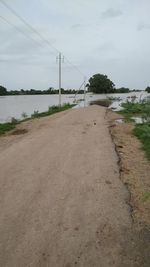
column 111, row 37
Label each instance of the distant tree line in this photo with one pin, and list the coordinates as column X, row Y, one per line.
column 98, row 84
column 50, row 91
column 125, row 90
column 101, row 84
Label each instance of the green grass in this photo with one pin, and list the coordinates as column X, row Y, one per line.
column 127, row 116
column 5, row 127
column 134, row 108
column 141, row 109
column 51, row 110
column 142, row 131
column 146, row 196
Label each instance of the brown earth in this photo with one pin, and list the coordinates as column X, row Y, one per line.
column 135, row 174
column 62, row 202
column 134, row 167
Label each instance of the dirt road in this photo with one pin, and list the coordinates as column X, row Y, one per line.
column 62, row 203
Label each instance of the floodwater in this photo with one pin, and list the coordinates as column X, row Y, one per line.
column 15, row 106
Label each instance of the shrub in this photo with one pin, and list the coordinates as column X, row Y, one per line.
column 24, row 115
column 14, row 120
column 142, row 131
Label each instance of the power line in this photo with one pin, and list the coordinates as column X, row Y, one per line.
column 74, row 66
column 37, row 33
column 19, row 30
column 27, row 24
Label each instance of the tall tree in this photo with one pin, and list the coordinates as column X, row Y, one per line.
column 100, row 84
column 3, row 90
column 147, row 89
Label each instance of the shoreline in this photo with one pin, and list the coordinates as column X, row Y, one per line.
column 10, row 126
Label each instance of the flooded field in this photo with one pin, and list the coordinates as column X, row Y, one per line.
column 15, row 106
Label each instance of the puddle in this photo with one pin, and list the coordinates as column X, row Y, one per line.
column 119, row 121
column 138, row 120
column 116, row 106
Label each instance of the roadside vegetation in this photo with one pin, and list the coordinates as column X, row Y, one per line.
column 5, row 127
column 8, row 126
column 142, row 130
column 141, row 109
column 51, row 110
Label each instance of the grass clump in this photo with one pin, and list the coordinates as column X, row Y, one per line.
column 136, row 108
column 5, row 127
column 24, row 115
column 51, row 110
column 8, row 126
column 142, row 131
column 140, row 109
column 146, row 196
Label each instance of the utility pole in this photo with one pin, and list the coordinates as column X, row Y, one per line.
column 84, row 91
column 60, row 59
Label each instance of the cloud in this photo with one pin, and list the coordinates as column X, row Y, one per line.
column 111, row 13
column 16, row 44
column 142, row 26
column 108, row 43
column 75, row 26
column 106, row 47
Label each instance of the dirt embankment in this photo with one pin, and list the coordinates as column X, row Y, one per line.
column 134, row 168
column 135, row 174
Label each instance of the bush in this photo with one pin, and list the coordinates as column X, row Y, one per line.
column 14, row 120
column 35, row 114
column 24, row 115
column 142, row 131
column 5, row 127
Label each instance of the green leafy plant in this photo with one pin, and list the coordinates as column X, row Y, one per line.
column 5, row 127
column 142, row 131
column 14, row 120
column 35, row 114
column 24, row 115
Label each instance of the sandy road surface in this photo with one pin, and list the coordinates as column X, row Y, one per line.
column 62, row 203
